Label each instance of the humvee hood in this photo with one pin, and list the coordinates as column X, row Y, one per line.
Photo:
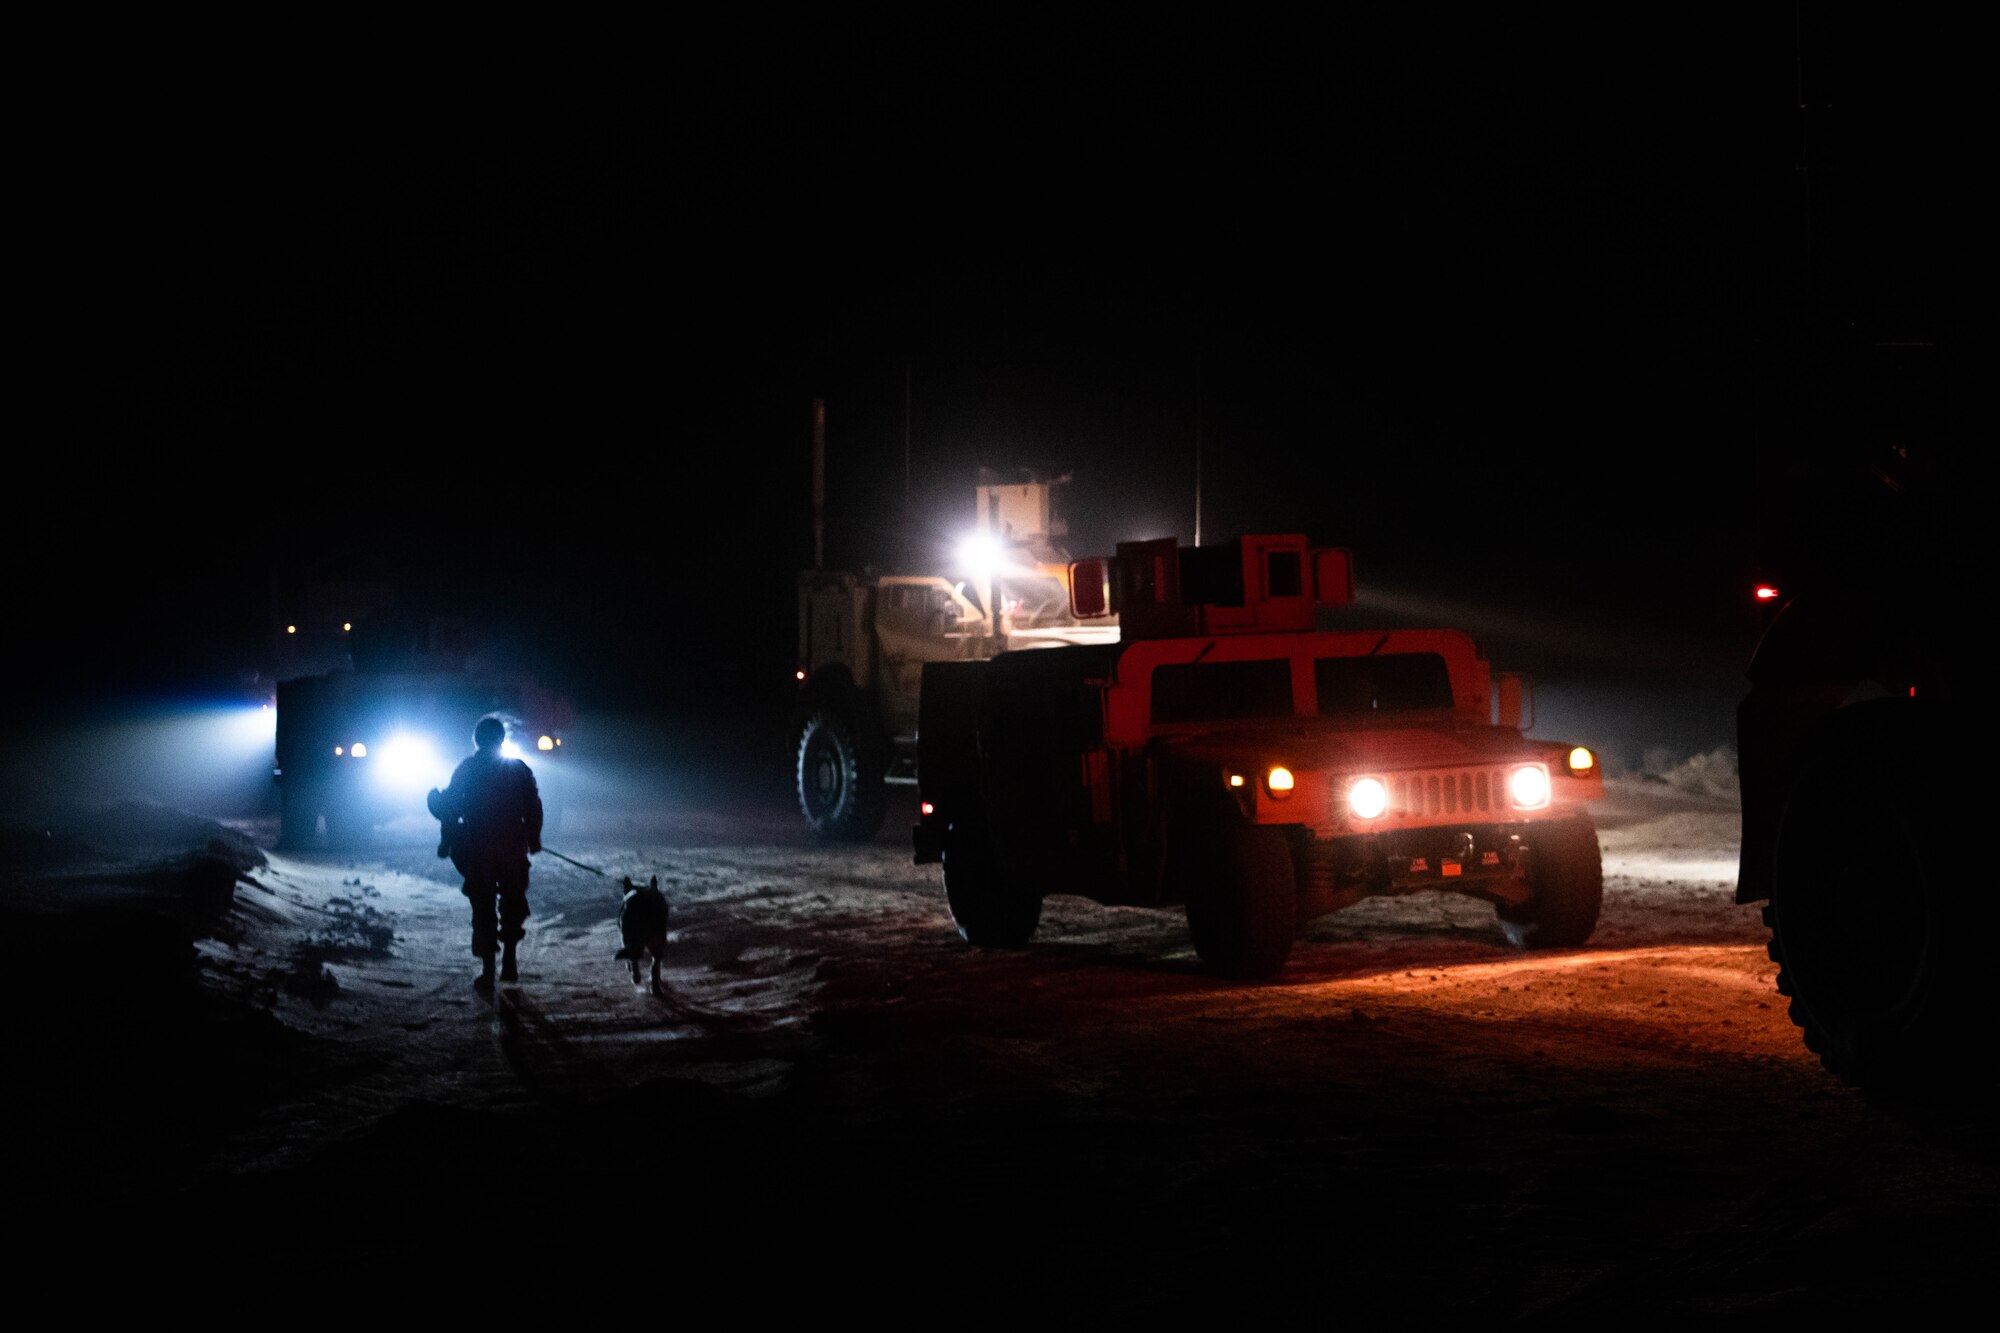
column 1348, row 748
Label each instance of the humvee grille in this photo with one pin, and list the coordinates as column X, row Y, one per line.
column 1466, row 791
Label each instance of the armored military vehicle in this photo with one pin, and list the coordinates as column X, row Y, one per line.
column 865, row 639
column 1226, row 756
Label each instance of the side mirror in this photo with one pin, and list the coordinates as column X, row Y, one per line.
column 1090, row 588
column 1517, row 702
column 1333, row 576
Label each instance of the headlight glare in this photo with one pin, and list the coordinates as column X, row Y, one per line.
column 1528, row 787
column 1279, row 782
column 1367, row 798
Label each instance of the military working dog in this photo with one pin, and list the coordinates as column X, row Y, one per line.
column 642, row 920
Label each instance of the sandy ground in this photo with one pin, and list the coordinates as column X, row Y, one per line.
column 1413, row 1119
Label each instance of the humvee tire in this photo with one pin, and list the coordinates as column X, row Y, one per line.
column 1566, row 881
column 840, row 779
column 1242, row 896
column 1864, row 924
column 987, row 906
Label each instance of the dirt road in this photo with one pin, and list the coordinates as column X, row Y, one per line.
column 1413, row 1119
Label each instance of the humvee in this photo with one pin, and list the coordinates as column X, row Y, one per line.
column 1228, row 757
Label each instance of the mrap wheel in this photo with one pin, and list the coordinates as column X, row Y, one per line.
column 1872, row 939
column 840, row 779
column 298, row 818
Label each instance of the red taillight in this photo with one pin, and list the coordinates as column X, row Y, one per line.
column 1766, row 593
column 929, row 809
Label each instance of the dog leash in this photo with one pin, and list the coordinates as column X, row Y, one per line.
column 550, row 851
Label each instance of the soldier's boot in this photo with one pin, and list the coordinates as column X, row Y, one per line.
column 508, row 972
column 485, row 981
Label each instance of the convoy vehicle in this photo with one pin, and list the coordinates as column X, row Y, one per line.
column 359, row 745
column 1227, row 756
column 1857, row 743
column 865, row 639
column 1857, row 765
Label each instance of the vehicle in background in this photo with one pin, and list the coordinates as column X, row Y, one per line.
column 865, row 639
column 360, row 744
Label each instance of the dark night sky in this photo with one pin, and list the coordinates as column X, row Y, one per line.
column 1493, row 304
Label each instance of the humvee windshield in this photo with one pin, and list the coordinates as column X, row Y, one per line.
column 1396, row 682
column 1222, row 691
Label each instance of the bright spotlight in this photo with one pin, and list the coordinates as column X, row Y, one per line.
column 546, row 743
column 509, row 750
column 980, row 555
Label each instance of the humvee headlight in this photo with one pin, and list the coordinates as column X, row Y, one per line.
column 1367, row 798
column 1528, row 786
column 1279, row 782
column 546, row 743
column 1581, row 761
column 339, row 750
column 360, row 750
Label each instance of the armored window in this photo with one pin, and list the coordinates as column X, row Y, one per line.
column 1396, row 682
column 1222, row 691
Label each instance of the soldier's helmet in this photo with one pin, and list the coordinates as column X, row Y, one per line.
column 490, row 732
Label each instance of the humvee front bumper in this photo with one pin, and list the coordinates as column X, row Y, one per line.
column 1483, row 860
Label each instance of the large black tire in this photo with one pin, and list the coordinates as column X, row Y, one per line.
column 840, row 778
column 298, row 818
column 989, row 907
column 347, row 825
column 1872, row 941
column 1241, row 891
column 1566, row 886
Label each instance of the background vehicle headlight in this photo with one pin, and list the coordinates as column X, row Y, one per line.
column 1528, row 786
column 1581, row 760
column 1279, row 782
column 411, row 761
column 1367, row 797
column 546, row 743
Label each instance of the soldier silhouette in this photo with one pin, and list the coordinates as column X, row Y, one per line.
column 491, row 818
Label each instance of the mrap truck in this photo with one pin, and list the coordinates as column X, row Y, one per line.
column 865, row 640
column 1226, row 756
